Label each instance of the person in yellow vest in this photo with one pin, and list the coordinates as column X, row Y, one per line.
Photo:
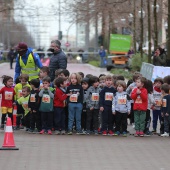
column 27, row 62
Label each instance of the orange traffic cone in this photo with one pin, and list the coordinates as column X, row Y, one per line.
column 14, row 116
column 9, row 143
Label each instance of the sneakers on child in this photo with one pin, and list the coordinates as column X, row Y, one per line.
column 117, row 133
column 2, row 126
column 165, row 134
column 30, row 131
column 80, row 132
column 136, row 134
column 49, row 132
column 57, row 132
column 88, row 132
column 63, row 132
column 148, row 133
column 110, row 133
column 42, row 131
column 124, row 134
column 141, row 134
column 69, row 132
column 154, row 131
column 104, row 133
column 95, row 132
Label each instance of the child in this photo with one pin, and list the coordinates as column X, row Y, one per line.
column 59, row 105
column 101, row 82
column 65, row 74
column 105, row 103
column 44, row 72
column 18, row 90
column 7, row 99
column 165, row 109
column 33, row 105
column 140, row 97
column 149, row 87
column 157, row 99
column 121, row 107
column 92, row 105
column 75, row 103
column 23, row 101
column 85, row 86
column 46, row 106
column 129, row 89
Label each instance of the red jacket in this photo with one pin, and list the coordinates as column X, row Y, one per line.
column 59, row 98
column 140, row 100
column 7, row 96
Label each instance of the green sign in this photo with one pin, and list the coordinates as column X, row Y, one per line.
column 119, row 43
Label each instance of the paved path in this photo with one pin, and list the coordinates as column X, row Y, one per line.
column 44, row 152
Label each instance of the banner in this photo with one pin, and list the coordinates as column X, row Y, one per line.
column 152, row 72
column 120, row 43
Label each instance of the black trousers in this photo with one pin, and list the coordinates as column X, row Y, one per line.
column 107, row 118
column 47, row 120
column 121, row 121
column 27, row 120
column 11, row 62
column 35, row 120
column 92, row 115
column 83, row 119
column 132, row 114
column 147, row 121
column 20, row 115
column 66, row 118
column 4, row 117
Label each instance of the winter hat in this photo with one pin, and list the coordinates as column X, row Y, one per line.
column 22, row 46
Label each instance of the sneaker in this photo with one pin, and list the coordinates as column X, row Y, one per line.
column 117, row 133
column 21, row 127
column 124, row 134
column 30, row 131
column 2, row 126
column 165, row 134
column 95, row 132
column 80, row 133
column 153, row 131
column 69, row 132
column 104, row 133
column 88, row 132
column 110, row 133
column 148, row 133
column 136, row 134
column 63, row 132
column 57, row 132
column 141, row 134
column 42, row 131
column 133, row 125
column 49, row 132
column 16, row 128
column 27, row 129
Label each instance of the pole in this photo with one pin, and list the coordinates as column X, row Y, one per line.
column 141, row 19
column 134, row 25
column 59, row 15
column 149, row 32
column 168, row 44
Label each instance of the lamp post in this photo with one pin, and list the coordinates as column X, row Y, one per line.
column 141, row 15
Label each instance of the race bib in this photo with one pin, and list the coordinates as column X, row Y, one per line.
column 25, row 105
column 138, row 100
column 46, row 98
column 73, row 98
column 95, row 97
column 19, row 93
column 32, row 98
column 122, row 99
column 8, row 95
column 164, row 103
column 41, row 85
column 109, row 96
column 158, row 102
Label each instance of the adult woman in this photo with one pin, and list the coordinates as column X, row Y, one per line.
column 159, row 58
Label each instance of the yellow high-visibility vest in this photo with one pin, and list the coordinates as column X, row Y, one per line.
column 30, row 68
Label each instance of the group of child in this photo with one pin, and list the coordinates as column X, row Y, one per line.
column 87, row 104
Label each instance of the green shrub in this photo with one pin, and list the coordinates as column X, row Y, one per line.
column 126, row 73
column 95, row 63
column 136, row 62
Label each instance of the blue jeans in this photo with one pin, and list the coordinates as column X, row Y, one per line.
column 156, row 114
column 102, row 61
column 74, row 110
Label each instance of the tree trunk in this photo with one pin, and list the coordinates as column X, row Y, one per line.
column 155, row 25
column 168, row 44
column 134, row 25
column 149, row 32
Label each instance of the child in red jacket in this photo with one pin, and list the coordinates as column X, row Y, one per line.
column 140, row 97
column 59, row 105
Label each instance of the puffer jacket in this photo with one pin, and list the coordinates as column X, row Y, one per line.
column 57, row 61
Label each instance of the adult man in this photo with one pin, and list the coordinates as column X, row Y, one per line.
column 27, row 62
column 159, row 58
column 102, row 54
column 11, row 56
column 58, row 59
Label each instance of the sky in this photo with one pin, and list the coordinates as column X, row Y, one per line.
column 44, row 23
